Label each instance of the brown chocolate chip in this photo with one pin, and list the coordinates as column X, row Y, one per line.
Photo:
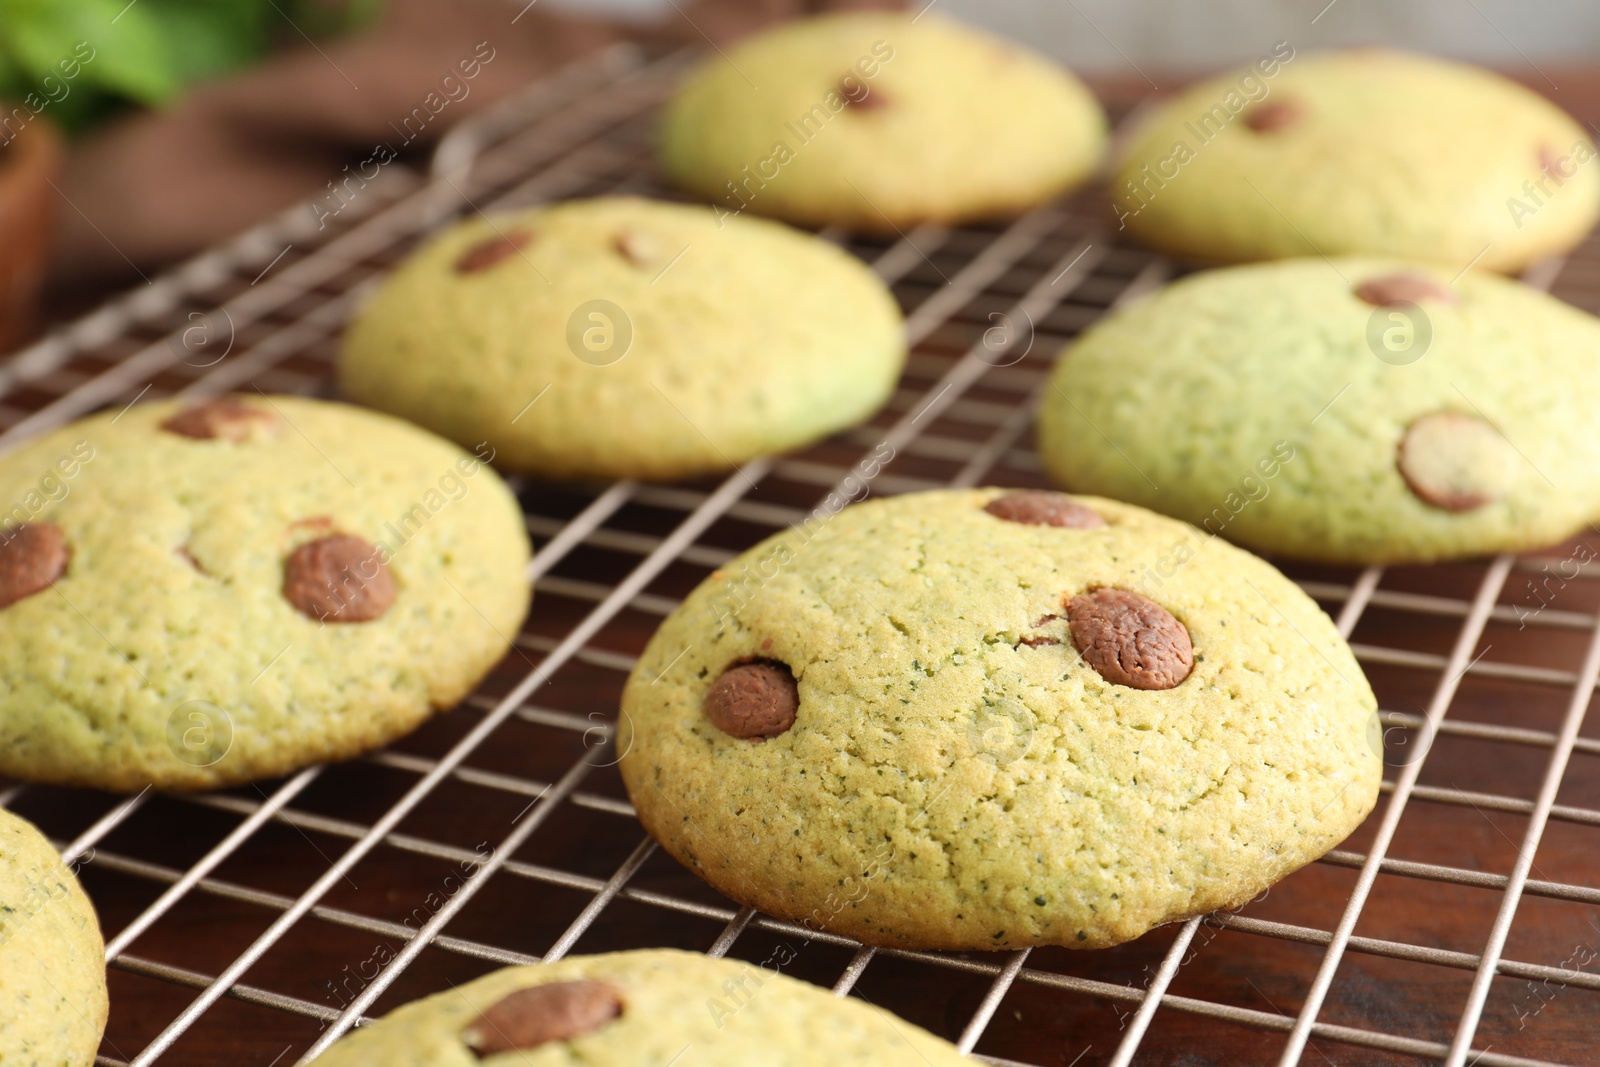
column 637, row 248
column 1273, row 116
column 1130, row 639
column 1404, row 287
column 1038, row 507
column 858, row 94
column 754, row 700
column 338, row 578
column 32, row 556
column 1550, row 162
column 226, row 418
column 538, row 1015
column 1455, row 461
column 491, row 250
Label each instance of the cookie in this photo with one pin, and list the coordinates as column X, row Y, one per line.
column 647, row 1007
column 627, row 338
column 953, row 720
column 879, row 121
column 1346, row 411
column 199, row 594
column 1361, row 152
column 52, row 961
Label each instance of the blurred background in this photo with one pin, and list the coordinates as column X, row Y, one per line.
column 136, row 133
column 1107, row 36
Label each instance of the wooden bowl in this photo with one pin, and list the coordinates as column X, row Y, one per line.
column 29, row 162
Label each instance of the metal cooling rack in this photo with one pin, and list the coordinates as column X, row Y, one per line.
column 241, row 924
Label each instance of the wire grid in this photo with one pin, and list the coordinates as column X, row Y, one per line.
column 265, row 310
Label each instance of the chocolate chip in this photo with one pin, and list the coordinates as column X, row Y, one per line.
column 338, row 578
column 227, row 418
column 1455, row 461
column 1130, row 639
column 1273, row 116
column 491, row 250
column 32, row 556
column 637, row 248
column 538, row 1015
column 754, row 700
column 858, row 94
column 1038, row 507
column 1550, row 162
column 1404, row 287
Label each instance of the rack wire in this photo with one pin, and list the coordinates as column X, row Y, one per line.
column 289, row 912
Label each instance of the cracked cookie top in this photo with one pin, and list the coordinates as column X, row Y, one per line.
column 931, row 723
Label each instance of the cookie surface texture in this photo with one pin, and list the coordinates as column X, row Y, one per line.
column 627, row 338
column 1312, row 409
column 1360, row 152
column 644, row 1007
column 1008, row 733
column 203, row 594
column 874, row 121
column 52, row 967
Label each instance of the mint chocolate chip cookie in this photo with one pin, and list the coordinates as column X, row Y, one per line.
column 1347, row 410
column 878, row 121
column 1360, row 152
column 52, row 966
column 194, row 595
column 647, row 1007
column 988, row 719
column 627, row 338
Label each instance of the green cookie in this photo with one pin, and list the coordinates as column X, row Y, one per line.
column 1352, row 411
column 1366, row 152
column 649, row 1007
column 52, row 961
column 195, row 597
column 878, row 121
column 627, row 338
column 982, row 720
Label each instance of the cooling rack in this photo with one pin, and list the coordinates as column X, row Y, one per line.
column 1460, row 924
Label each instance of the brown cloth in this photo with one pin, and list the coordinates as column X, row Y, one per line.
column 158, row 186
